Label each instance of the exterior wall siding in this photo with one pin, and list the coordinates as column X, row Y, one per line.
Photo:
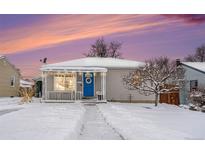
column 192, row 74
column 6, row 72
column 97, row 83
column 116, row 91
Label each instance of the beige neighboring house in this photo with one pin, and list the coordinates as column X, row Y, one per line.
column 89, row 78
column 9, row 78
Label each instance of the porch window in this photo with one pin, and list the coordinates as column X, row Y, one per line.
column 64, row 82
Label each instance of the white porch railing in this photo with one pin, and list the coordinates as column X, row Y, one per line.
column 64, row 95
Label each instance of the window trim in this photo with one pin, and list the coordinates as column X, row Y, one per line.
column 195, row 87
column 64, row 78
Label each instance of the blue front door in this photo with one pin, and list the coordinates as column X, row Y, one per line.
column 88, row 84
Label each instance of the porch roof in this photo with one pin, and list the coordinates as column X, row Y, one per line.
column 73, row 69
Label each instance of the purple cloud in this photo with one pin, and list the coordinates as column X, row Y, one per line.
column 188, row 18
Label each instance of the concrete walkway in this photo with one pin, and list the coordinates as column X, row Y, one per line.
column 94, row 126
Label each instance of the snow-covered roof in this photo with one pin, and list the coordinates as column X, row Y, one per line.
column 1, row 56
column 24, row 83
column 94, row 62
column 200, row 66
column 78, row 69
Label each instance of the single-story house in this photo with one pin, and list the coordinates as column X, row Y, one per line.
column 91, row 77
column 194, row 79
column 9, row 78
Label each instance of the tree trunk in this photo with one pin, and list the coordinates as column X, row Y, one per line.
column 156, row 99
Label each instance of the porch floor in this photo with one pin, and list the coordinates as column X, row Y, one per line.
column 95, row 127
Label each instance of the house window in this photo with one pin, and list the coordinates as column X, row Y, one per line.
column 64, row 82
column 193, row 85
column 12, row 81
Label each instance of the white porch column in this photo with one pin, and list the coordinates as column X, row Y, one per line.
column 46, row 86
column 101, row 83
column 76, row 76
column 104, row 85
column 43, row 86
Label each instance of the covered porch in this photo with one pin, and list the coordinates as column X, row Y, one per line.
column 74, row 84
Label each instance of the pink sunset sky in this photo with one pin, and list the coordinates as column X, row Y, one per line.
column 25, row 39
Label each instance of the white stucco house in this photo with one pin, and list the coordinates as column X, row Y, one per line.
column 194, row 77
column 89, row 78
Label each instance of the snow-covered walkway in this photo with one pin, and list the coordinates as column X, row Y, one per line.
column 94, row 126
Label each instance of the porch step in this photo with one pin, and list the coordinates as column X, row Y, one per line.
column 93, row 101
column 88, row 98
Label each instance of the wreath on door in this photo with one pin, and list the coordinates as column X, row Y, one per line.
column 88, row 80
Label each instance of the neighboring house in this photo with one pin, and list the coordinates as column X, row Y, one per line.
column 26, row 84
column 9, row 78
column 194, row 77
column 38, row 86
column 91, row 77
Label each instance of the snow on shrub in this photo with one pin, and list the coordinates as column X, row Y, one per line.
column 197, row 100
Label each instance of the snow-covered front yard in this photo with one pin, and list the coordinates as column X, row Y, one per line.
column 144, row 121
column 106, row 121
column 40, row 120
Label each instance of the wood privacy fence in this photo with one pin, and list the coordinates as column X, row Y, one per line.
column 171, row 97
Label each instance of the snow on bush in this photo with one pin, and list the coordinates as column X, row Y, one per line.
column 197, row 100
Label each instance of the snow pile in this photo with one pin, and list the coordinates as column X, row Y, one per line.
column 9, row 103
column 43, row 121
column 144, row 121
column 9, row 100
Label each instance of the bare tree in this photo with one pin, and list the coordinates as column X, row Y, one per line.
column 199, row 55
column 98, row 49
column 154, row 76
column 102, row 49
column 114, row 48
column 190, row 58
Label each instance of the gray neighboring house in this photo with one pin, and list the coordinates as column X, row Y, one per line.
column 89, row 78
column 195, row 79
column 9, row 78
